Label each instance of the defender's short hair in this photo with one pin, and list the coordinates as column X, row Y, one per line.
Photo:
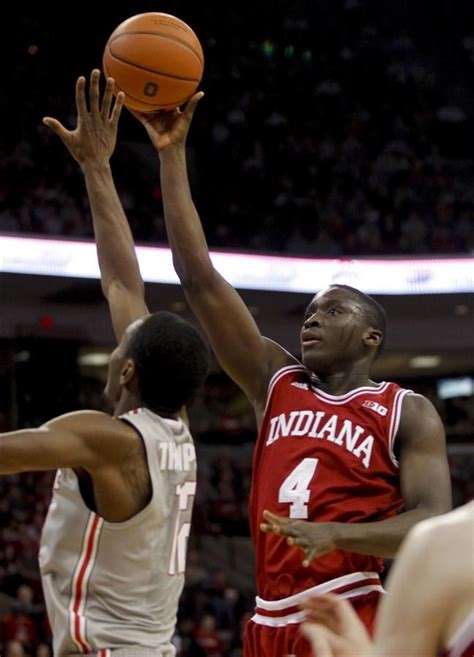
column 373, row 311
column 171, row 359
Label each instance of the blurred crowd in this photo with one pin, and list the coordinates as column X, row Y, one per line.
column 327, row 128
column 218, row 595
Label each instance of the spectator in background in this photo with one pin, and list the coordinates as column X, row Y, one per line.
column 207, row 637
column 14, row 648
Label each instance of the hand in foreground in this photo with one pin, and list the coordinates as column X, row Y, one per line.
column 95, row 135
column 169, row 127
column 314, row 538
column 334, row 629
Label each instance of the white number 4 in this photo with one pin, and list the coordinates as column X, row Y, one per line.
column 295, row 489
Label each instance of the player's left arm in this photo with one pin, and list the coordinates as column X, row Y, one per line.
column 425, row 487
column 83, row 439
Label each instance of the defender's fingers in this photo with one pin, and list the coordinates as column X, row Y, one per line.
column 319, row 639
column 117, row 108
column 94, row 91
column 107, row 99
column 56, row 126
column 81, row 104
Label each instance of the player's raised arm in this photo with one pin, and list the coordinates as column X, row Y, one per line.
column 247, row 357
column 91, row 144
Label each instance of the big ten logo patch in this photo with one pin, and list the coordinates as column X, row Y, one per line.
column 374, row 406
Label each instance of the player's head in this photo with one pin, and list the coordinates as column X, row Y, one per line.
column 162, row 359
column 342, row 326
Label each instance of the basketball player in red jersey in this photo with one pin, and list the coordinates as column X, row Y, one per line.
column 361, row 462
column 429, row 607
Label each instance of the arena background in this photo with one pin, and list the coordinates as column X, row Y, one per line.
column 338, row 129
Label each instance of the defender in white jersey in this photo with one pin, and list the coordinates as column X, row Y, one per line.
column 135, row 566
column 113, row 547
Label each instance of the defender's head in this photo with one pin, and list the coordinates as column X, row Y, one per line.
column 162, row 359
column 342, row 326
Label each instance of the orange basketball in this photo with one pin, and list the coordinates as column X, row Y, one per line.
column 155, row 59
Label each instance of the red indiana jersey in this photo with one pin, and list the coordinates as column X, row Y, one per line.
column 322, row 458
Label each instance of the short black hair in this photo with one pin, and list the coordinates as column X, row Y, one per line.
column 171, row 359
column 373, row 311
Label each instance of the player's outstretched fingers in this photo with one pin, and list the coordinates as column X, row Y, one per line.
column 279, row 524
column 310, row 554
column 274, row 524
column 297, row 542
column 192, row 104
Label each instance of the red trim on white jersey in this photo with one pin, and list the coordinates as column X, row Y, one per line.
column 80, row 581
column 277, row 613
column 104, row 652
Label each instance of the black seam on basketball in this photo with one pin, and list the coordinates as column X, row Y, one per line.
column 167, row 36
column 152, row 70
column 140, row 100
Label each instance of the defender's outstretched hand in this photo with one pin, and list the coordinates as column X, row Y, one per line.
column 169, row 127
column 314, row 538
column 95, row 135
column 334, row 629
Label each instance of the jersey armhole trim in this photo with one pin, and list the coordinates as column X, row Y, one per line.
column 148, row 508
column 277, row 376
column 395, row 421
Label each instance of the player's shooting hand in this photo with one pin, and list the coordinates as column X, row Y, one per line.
column 334, row 629
column 95, row 136
column 169, row 127
column 314, row 538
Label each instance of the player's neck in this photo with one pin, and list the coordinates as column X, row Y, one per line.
column 338, row 383
column 126, row 404
column 130, row 402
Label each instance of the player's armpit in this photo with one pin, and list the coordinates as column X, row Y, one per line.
column 86, row 439
column 424, row 469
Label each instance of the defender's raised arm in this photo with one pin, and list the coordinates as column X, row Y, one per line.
column 92, row 144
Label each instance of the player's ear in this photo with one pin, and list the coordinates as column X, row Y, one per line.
column 128, row 371
column 373, row 337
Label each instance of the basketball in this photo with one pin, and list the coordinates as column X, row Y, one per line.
column 155, row 59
